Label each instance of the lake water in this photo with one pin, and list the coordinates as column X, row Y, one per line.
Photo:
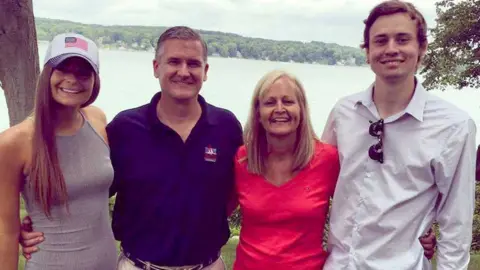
column 128, row 81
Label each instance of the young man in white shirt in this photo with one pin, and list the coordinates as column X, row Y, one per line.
column 407, row 158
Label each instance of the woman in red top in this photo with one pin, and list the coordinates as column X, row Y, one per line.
column 284, row 180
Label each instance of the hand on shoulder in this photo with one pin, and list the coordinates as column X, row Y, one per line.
column 241, row 155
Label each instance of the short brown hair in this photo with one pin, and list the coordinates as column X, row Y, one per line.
column 392, row 7
column 183, row 33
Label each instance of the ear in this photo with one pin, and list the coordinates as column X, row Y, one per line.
column 367, row 55
column 155, row 65
column 423, row 51
column 205, row 75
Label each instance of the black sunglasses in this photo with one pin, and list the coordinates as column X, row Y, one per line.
column 375, row 151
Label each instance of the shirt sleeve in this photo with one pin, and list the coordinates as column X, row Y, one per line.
column 329, row 135
column 455, row 178
column 334, row 171
column 477, row 173
column 238, row 134
column 115, row 139
column 112, row 142
column 233, row 198
column 238, row 141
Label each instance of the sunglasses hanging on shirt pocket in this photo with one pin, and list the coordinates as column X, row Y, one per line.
column 375, row 151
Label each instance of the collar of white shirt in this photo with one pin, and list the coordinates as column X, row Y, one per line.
column 415, row 107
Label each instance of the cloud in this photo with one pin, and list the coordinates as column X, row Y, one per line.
column 339, row 21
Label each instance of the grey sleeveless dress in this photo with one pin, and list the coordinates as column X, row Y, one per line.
column 81, row 239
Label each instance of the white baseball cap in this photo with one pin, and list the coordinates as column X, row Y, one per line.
column 68, row 45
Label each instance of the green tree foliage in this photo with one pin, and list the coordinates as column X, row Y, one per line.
column 219, row 44
column 453, row 58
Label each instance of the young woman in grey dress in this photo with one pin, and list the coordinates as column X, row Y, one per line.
column 58, row 160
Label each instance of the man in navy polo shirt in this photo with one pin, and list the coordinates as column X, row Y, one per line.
column 173, row 162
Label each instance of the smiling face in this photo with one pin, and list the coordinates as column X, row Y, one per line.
column 394, row 50
column 279, row 109
column 72, row 82
column 181, row 68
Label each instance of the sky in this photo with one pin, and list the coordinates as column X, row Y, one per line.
column 336, row 21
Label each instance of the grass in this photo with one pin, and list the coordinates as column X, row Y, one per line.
column 228, row 251
column 474, row 262
column 228, row 254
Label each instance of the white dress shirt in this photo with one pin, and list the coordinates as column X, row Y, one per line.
column 379, row 210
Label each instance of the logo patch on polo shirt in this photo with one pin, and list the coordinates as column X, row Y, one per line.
column 210, row 154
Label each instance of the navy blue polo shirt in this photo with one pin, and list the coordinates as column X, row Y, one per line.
column 172, row 195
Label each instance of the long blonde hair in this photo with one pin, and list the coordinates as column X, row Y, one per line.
column 255, row 136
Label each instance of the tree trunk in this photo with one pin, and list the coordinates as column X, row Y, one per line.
column 19, row 67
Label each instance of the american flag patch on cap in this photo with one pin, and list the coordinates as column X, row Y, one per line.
column 76, row 42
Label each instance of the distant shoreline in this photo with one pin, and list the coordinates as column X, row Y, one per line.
column 219, row 44
column 112, row 48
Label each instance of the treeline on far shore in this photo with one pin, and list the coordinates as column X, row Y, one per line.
column 144, row 38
